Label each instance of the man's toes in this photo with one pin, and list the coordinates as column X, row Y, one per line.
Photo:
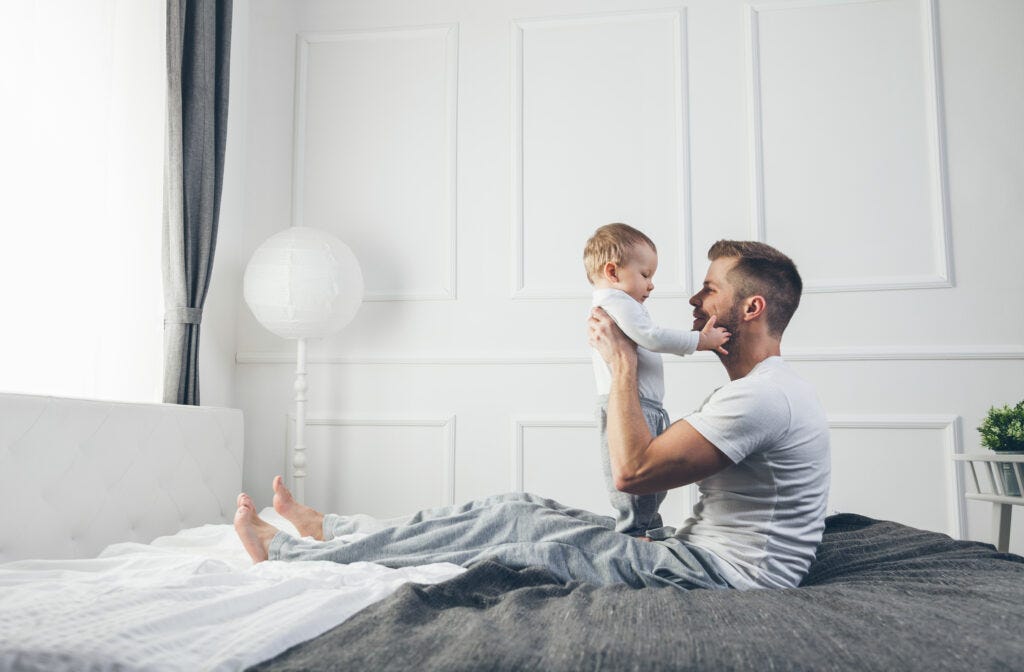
column 280, row 489
column 245, row 501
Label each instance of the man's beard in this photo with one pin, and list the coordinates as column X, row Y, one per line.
column 731, row 322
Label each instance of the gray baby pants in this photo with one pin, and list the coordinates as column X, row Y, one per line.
column 635, row 514
column 518, row 530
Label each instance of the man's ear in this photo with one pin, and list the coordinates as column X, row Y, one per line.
column 611, row 271
column 754, row 307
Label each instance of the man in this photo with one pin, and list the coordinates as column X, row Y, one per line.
column 758, row 448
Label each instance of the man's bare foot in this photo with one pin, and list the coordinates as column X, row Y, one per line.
column 307, row 520
column 255, row 533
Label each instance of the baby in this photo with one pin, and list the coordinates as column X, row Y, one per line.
column 620, row 263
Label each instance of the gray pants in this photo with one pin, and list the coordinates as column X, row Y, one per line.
column 635, row 515
column 518, row 530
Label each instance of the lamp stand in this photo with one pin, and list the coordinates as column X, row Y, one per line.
column 299, row 449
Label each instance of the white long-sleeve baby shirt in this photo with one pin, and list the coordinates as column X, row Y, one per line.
column 651, row 339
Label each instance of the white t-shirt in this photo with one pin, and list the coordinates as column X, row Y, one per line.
column 634, row 320
column 764, row 515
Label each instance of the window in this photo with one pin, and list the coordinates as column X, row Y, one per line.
column 81, row 189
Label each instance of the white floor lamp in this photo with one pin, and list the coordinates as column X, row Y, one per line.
column 302, row 283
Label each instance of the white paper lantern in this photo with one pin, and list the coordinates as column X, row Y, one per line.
column 303, row 283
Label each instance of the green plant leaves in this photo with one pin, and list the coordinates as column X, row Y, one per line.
column 1003, row 428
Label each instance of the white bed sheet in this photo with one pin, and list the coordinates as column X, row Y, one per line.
column 190, row 601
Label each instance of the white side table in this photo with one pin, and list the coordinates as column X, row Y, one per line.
column 1002, row 483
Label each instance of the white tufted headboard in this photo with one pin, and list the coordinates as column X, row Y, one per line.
column 78, row 474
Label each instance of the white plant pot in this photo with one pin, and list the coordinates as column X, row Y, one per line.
column 1006, row 473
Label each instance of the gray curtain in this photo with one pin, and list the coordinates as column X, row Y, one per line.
column 198, row 56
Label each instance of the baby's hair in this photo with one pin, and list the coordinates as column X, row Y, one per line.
column 611, row 243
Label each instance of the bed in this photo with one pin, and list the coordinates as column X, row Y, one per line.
column 880, row 596
column 81, row 473
column 116, row 552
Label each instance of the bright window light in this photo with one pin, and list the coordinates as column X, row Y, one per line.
column 82, row 86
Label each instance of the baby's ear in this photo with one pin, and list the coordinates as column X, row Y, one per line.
column 611, row 271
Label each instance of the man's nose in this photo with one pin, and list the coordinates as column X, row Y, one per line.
column 694, row 302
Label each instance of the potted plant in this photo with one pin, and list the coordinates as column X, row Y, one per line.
column 1002, row 430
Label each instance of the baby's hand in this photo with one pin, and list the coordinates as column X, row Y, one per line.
column 712, row 337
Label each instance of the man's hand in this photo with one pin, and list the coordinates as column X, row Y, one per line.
column 606, row 337
column 641, row 464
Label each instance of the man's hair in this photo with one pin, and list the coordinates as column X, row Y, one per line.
column 761, row 269
column 611, row 243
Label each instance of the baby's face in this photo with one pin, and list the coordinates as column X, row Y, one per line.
column 636, row 275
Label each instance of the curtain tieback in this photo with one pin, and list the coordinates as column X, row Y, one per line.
column 182, row 315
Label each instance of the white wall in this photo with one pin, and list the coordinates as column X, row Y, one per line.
column 466, row 150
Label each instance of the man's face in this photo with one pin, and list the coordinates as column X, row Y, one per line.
column 717, row 297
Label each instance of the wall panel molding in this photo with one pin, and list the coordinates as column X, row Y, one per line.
column 943, row 276
column 449, row 34
column 951, row 427
column 521, row 424
column 681, row 285
column 853, row 354
column 447, row 424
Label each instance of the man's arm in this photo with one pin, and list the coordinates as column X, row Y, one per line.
column 640, row 464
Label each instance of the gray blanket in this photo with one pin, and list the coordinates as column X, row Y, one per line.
column 880, row 596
